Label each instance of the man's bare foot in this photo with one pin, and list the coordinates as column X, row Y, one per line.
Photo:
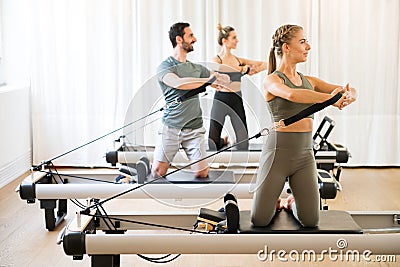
column 279, row 206
column 289, row 203
column 226, row 141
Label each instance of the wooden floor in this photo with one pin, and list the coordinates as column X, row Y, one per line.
column 25, row 242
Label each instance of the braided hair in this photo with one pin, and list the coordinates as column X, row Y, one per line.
column 283, row 34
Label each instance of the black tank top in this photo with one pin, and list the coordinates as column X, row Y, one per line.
column 235, row 76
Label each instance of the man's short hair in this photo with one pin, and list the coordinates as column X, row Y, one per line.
column 178, row 29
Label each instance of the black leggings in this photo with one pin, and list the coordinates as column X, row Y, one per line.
column 228, row 104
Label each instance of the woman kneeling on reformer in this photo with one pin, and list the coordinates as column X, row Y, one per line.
column 290, row 148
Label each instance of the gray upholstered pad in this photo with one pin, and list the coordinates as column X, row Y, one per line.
column 184, row 177
column 331, row 222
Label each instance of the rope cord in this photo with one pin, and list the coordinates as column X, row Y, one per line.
column 94, row 140
column 147, row 224
column 77, row 177
column 263, row 132
column 179, row 100
column 159, row 260
column 302, row 114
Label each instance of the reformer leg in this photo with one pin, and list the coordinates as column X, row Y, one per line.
column 147, row 161
column 232, row 213
column 51, row 220
column 142, row 172
column 105, row 261
column 143, row 169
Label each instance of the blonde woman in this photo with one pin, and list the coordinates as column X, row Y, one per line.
column 290, row 148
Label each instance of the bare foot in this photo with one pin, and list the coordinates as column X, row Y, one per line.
column 279, row 206
column 289, row 203
column 226, row 141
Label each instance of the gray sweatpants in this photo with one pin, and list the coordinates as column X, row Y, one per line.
column 287, row 155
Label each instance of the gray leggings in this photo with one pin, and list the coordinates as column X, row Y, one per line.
column 287, row 155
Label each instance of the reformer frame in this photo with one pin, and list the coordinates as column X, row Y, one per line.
column 39, row 186
column 379, row 233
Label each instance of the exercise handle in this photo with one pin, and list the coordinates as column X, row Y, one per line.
column 310, row 110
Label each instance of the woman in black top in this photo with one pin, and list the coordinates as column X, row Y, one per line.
column 228, row 101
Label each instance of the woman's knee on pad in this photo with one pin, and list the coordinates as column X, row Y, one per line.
column 259, row 220
column 309, row 221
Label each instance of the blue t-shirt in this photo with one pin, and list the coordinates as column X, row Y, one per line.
column 186, row 115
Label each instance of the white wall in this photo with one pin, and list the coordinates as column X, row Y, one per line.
column 15, row 115
column 15, row 137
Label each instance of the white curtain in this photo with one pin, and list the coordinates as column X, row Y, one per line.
column 361, row 46
column 82, row 76
column 94, row 61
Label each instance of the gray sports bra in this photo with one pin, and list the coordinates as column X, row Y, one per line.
column 282, row 108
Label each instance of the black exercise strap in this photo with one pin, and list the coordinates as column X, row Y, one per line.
column 311, row 110
column 247, row 71
column 196, row 91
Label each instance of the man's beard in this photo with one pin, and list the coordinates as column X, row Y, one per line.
column 187, row 47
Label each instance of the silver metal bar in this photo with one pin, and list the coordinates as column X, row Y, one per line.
column 181, row 220
column 231, row 157
column 160, row 242
column 239, row 243
column 225, row 157
column 373, row 222
column 159, row 191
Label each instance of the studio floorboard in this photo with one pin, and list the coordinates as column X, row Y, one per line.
column 25, row 242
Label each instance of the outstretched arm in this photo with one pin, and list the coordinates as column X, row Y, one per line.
column 274, row 86
column 189, row 83
column 319, row 85
column 255, row 66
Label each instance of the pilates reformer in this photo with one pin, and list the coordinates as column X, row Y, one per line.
column 50, row 188
column 221, row 232
column 228, row 232
column 79, row 237
column 40, row 185
column 326, row 153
